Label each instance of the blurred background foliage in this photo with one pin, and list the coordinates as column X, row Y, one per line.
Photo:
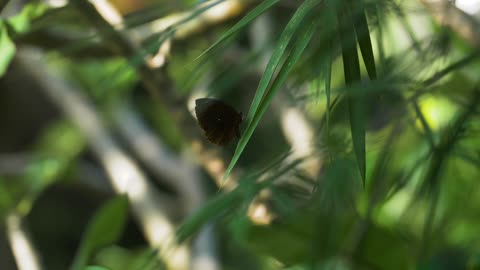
column 360, row 145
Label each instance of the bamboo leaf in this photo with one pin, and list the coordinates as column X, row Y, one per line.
column 263, row 101
column 219, row 204
column 290, row 29
column 356, row 104
column 364, row 42
column 257, row 11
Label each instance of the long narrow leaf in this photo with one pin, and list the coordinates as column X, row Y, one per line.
column 290, row 29
column 292, row 59
column 351, row 67
column 423, row 121
column 364, row 42
column 257, row 11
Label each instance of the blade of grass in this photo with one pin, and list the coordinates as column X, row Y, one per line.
column 364, row 42
column 260, row 109
column 290, row 29
column 351, row 67
column 257, row 11
column 380, row 29
column 428, row 131
column 330, row 19
column 209, row 211
column 437, row 165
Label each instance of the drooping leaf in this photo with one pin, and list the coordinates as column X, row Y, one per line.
column 257, row 11
column 364, row 41
column 262, row 98
column 351, row 67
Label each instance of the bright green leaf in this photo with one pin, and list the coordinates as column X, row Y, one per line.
column 262, row 100
column 7, row 49
column 290, row 29
column 104, row 229
column 22, row 22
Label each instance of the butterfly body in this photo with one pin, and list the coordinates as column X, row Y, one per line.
column 220, row 121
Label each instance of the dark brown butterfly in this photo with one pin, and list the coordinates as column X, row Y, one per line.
column 219, row 120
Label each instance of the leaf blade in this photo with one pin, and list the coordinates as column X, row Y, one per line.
column 7, row 49
column 257, row 11
column 364, row 41
column 260, row 109
column 100, row 231
column 356, row 106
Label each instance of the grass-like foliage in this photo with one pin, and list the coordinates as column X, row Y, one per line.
column 359, row 145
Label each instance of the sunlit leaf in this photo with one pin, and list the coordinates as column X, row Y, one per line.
column 7, row 49
column 262, row 98
column 23, row 21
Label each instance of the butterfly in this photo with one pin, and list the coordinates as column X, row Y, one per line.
column 220, row 121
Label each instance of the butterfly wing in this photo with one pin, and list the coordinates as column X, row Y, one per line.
column 218, row 119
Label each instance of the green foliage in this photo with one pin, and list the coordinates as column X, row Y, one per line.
column 14, row 26
column 115, row 257
column 264, row 6
column 386, row 102
column 115, row 80
column 7, row 49
column 104, row 229
column 55, row 152
column 95, row 268
column 23, row 22
column 263, row 97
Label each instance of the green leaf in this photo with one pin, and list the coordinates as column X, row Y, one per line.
column 209, row 211
column 423, row 121
column 328, row 87
column 257, row 11
column 262, row 100
column 7, row 49
column 339, row 185
column 240, row 196
column 364, row 42
column 395, row 252
column 96, row 267
column 290, row 29
column 104, row 229
column 23, row 22
column 356, row 104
